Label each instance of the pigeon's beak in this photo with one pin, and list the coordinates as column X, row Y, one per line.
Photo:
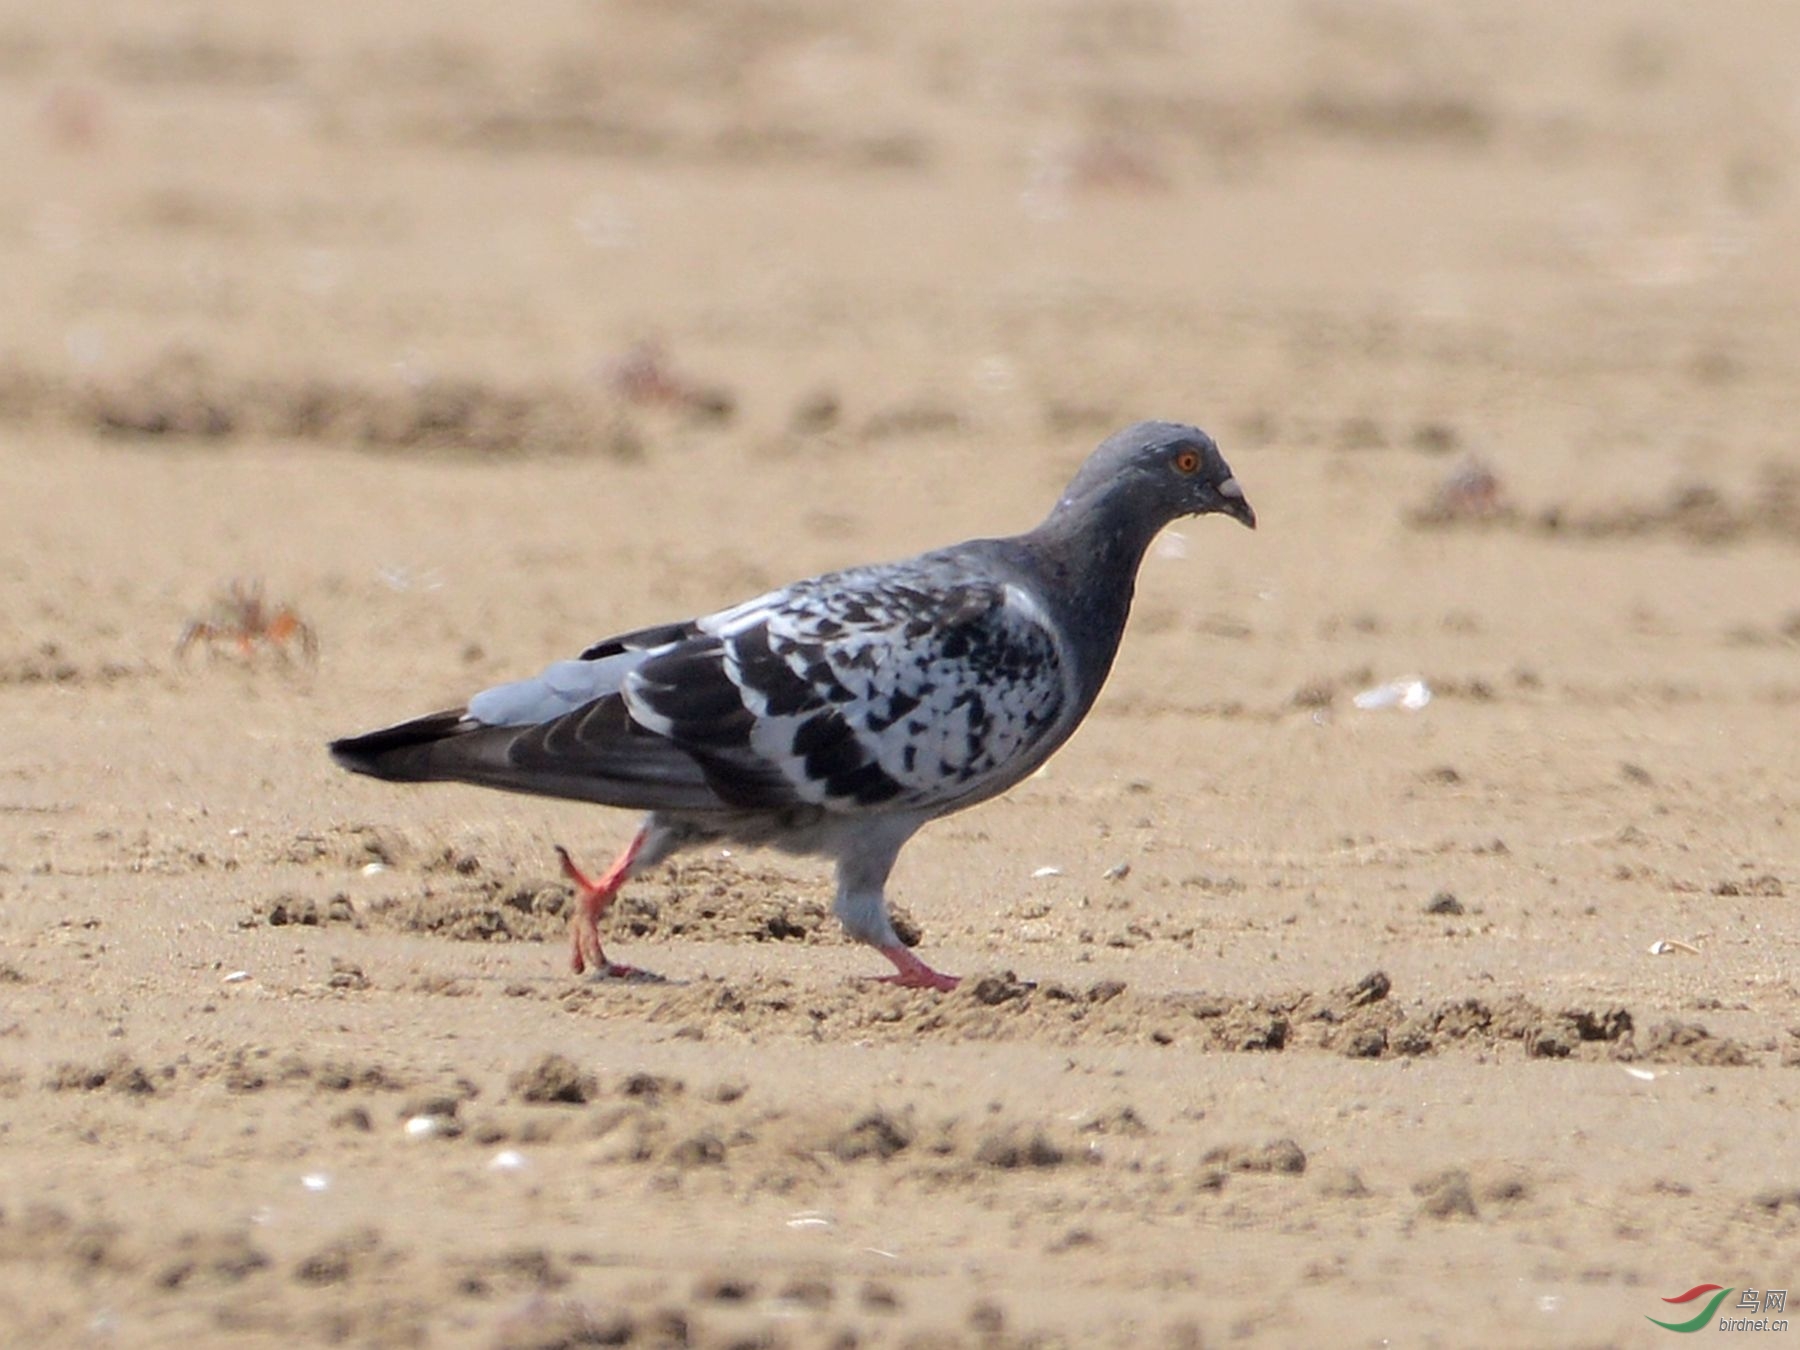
column 1234, row 504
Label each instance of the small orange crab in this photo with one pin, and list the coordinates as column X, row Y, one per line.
column 243, row 617
column 645, row 375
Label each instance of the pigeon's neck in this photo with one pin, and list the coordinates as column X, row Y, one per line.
column 1088, row 551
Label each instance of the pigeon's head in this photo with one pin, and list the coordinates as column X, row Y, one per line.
column 1164, row 470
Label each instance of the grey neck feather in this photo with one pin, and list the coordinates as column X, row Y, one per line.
column 1086, row 554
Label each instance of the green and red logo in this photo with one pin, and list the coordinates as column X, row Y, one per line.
column 1702, row 1318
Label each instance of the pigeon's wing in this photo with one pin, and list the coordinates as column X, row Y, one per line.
column 904, row 687
column 912, row 686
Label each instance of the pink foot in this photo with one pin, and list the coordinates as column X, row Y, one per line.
column 912, row 973
column 591, row 900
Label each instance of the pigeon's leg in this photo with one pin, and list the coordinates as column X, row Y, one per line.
column 912, row 973
column 591, row 899
column 862, row 906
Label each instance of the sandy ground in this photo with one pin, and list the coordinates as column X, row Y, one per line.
column 475, row 333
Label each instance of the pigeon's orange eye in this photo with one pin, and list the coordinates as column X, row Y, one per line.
column 1188, row 461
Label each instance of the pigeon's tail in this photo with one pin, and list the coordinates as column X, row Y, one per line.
column 404, row 753
column 595, row 754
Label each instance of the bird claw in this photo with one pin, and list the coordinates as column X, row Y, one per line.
column 586, row 958
column 592, row 896
column 912, row 973
column 935, row 980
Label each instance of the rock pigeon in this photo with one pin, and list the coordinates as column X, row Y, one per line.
column 835, row 716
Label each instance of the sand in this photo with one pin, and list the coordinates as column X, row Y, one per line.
column 474, row 333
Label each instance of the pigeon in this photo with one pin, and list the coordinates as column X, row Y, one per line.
column 836, row 716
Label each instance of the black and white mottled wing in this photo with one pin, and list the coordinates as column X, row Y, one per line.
column 916, row 686
column 884, row 687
